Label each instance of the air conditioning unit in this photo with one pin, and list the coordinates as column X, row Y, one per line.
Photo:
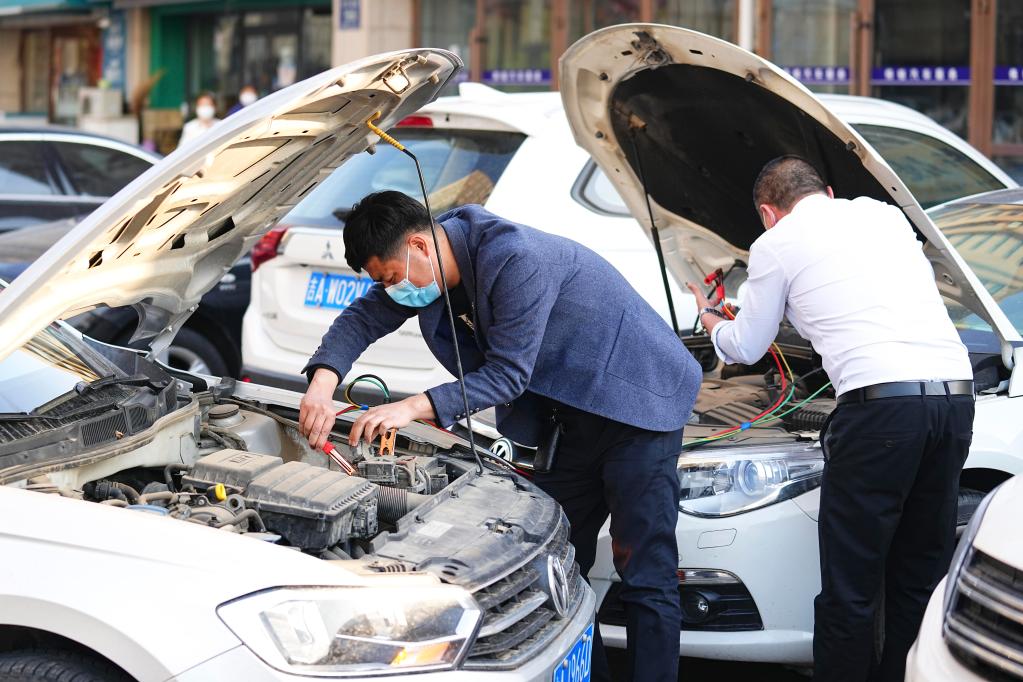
column 99, row 103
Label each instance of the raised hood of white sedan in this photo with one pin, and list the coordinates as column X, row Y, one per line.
column 697, row 118
column 169, row 236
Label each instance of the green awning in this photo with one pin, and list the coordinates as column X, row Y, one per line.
column 9, row 8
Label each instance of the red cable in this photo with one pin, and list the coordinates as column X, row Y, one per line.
column 772, row 408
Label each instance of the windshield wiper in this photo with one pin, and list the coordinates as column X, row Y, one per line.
column 115, row 380
column 72, row 414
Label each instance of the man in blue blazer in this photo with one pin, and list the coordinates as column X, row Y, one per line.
column 547, row 329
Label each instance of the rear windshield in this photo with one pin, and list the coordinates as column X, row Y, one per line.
column 934, row 171
column 460, row 167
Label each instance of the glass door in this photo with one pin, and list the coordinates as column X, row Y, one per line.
column 812, row 40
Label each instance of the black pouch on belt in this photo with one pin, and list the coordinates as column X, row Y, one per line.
column 543, row 462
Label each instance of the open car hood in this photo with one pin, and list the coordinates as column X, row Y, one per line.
column 168, row 237
column 698, row 117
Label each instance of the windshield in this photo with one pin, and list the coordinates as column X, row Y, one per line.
column 459, row 166
column 48, row 366
column 933, row 170
column 989, row 237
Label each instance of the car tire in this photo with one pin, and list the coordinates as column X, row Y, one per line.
column 969, row 500
column 192, row 352
column 56, row 665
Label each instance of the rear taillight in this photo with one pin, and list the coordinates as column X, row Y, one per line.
column 266, row 248
column 416, row 122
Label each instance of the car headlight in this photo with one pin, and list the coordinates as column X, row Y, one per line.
column 738, row 480
column 964, row 550
column 343, row 631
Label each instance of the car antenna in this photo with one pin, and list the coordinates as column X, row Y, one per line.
column 443, row 280
column 634, row 125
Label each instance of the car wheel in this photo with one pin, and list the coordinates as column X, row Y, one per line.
column 192, row 352
column 969, row 500
column 56, row 665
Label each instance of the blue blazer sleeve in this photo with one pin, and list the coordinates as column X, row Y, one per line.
column 526, row 296
column 370, row 317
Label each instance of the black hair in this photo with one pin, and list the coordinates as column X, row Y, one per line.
column 784, row 181
column 377, row 225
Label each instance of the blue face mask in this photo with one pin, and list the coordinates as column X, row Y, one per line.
column 408, row 294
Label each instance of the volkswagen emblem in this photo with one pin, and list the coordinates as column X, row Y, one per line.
column 558, row 583
column 503, row 448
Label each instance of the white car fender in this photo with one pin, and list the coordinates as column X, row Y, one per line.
column 63, row 559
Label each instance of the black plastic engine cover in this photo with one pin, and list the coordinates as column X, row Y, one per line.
column 312, row 507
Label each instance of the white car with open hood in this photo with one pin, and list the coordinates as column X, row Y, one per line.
column 165, row 525
column 697, row 118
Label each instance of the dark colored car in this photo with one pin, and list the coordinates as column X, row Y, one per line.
column 50, row 173
column 209, row 343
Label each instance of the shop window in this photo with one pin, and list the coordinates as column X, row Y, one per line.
column 1008, row 124
column 316, row 38
column 930, row 75
column 447, row 24
column 714, row 17
column 811, row 41
column 518, row 47
column 586, row 16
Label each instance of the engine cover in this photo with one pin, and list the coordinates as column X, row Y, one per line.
column 312, row 507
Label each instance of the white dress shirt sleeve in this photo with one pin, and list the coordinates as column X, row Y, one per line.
column 745, row 339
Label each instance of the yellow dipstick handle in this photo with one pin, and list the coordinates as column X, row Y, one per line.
column 383, row 136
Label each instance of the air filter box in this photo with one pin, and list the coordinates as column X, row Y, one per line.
column 233, row 468
column 314, row 508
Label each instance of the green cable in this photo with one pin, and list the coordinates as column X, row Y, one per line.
column 763, row 420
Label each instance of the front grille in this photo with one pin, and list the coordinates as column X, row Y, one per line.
column 984, row 623
column 730, row 608
column 519, row 619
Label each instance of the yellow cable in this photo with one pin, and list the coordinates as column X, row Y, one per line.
column 381, row 134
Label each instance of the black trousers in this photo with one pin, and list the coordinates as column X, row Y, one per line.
column 887, row 523
column 603, row 467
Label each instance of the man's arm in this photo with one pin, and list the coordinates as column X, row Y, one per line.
column 370, row 317
column 745, row 339
column 522, row 298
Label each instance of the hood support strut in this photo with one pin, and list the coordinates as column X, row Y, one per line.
column 655, row 233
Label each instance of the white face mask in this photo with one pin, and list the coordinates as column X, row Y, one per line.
column 205, row 111
column 247, row 98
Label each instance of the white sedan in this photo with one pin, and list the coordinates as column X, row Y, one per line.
column 973, row 628
column 702, row 116
column 162, row 525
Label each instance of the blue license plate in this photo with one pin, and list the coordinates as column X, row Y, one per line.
column 575, row 667
column 326, row 290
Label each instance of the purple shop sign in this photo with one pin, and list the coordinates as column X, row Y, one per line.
column 920, row 75
column 819, row 75
column 517, row 77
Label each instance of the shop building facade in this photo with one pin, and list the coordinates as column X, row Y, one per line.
column 958, row 61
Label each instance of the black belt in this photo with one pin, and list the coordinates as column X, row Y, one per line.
column 900, row 389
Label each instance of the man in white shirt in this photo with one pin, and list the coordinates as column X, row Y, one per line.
column 851, row 277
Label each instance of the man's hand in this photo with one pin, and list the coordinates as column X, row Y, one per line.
column 707, row 320
column 316, row 412
column 701, row 299
column 381, row 418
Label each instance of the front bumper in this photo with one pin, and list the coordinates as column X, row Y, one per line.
column 930, row 660
column 773, row 552
column 241, row 664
